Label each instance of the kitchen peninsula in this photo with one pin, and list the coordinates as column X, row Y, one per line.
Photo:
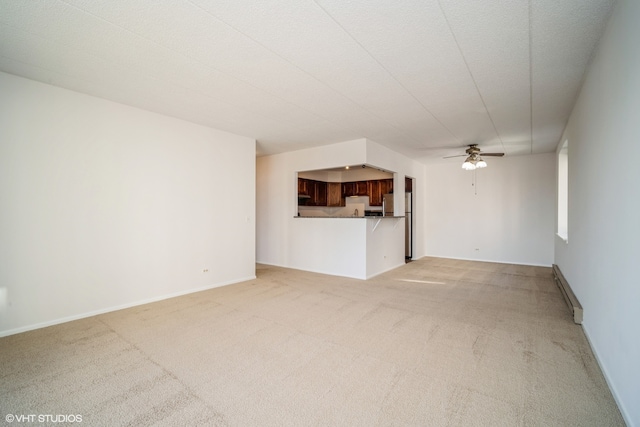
column 334, row 243
column 368, row 246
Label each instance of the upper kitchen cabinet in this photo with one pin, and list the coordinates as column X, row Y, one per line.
column 319, row 197
column 373, row 188
column 375, row 192
column 362, row 188
column 348, row 189
column 329, row 187
column 354, row 189
column 334, row 194
column 386, row 186
column 377, row 188
column 303, row 187
column 312, row 192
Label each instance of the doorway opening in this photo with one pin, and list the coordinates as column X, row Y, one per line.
column 409, row 184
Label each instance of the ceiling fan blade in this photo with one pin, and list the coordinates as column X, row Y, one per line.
column 492, row 154
column 459, row 155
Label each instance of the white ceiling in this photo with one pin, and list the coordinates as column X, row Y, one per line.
column 419, row 76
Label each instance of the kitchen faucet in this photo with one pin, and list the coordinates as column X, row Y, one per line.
column 355, row 213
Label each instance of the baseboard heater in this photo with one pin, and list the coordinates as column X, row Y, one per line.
column 567, row 293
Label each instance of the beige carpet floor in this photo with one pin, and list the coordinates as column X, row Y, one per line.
column 437, row 342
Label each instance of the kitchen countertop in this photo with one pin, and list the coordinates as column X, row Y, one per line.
column 349, row 217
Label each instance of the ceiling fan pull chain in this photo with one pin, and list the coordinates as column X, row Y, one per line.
column 475, row 183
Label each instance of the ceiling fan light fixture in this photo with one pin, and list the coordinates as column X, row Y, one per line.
column 469, row 164
column 474, row 160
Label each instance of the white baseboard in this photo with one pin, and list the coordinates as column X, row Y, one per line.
column 333, row 273
column 487, row 260
column 310, row 271
column 119, row 307
column 621, row 407
column 387, row 269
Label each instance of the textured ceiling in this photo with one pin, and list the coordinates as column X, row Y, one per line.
column 421, row 77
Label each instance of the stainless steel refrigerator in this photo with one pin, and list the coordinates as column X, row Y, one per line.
column 387, row 209
column 408, row 224
column 387, row 204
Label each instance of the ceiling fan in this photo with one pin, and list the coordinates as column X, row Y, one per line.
column 474, row 157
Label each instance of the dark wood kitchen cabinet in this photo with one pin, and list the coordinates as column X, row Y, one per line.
column 320, row 193
column 386, row 186
column 377, row 188
column 375, row 194
column 334, row 194
column 355, row 188
column 362, row 188
column 314, row 193
column 303, row 187
column 348, row 189
column 319, row 197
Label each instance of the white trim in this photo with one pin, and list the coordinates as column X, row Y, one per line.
column 308, row 270
column 384, row 271
column 487, row 260
column 330, row 274
column 116, row 308
column 605, row 373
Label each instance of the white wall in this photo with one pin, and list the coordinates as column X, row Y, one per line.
column 300, row 242
column 505, row 215
column 385, row 158
column 600, row 261
column 385, row 244
column 355, row 173
column 105, row 206
column 328, row 245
